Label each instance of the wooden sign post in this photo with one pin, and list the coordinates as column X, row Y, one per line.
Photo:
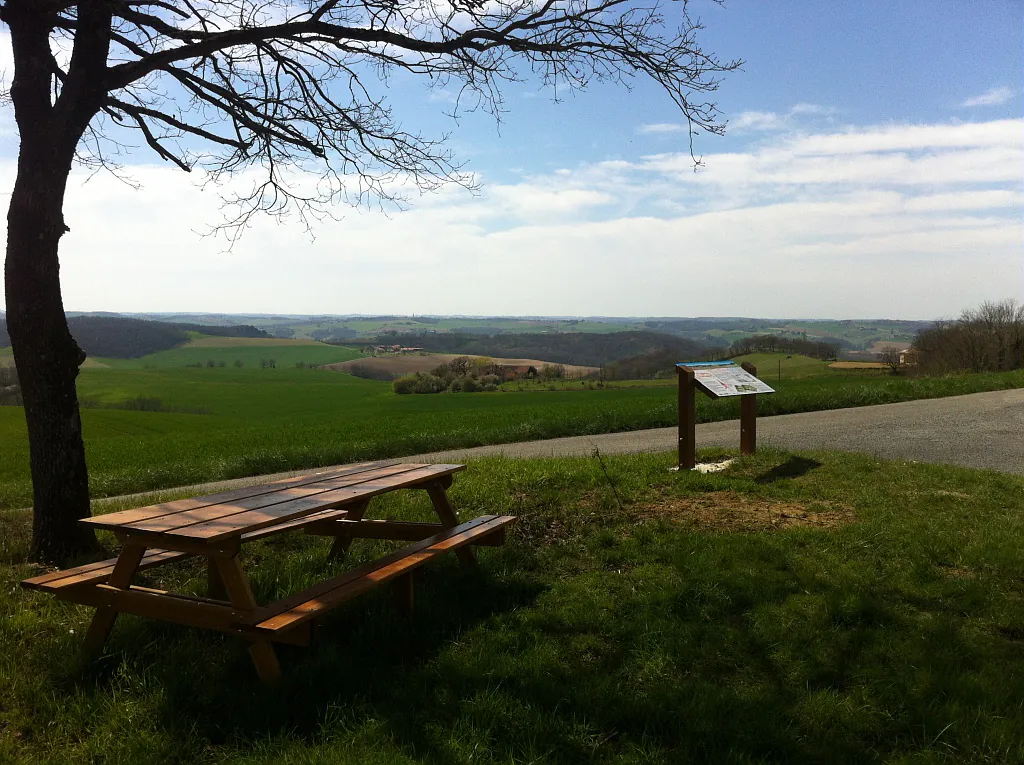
column 717, row 379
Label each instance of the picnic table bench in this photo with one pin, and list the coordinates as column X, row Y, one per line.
column 330, row 503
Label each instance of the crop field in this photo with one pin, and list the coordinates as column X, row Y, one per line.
column 770, row 366
column 266, row 420
column 407, row 364
column 231, row 350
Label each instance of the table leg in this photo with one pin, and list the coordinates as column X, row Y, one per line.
column 404, row 592
column 121, row 578
column 214, row 581
column 445, row 511
column 343, row 541
column 237, row 586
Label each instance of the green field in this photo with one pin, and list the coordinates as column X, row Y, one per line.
column 265, row 420
column 822, row 607
column 229, row 350
column 770, row 366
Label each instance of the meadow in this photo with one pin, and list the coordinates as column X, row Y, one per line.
column 814, row 607
column 266, row 420
column 230, row 351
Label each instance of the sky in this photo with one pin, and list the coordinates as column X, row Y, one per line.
column 873, row 166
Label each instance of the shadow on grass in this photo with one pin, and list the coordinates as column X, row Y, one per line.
column 708, row 665
column 794, row 467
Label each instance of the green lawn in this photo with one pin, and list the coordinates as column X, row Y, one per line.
column 266, row 420
column 634, row 616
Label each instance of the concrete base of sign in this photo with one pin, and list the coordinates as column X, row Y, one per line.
column 707, row 467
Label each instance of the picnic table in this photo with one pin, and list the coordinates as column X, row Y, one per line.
column 331, row 503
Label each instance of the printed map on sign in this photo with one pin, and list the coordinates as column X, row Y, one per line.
column 728, row 380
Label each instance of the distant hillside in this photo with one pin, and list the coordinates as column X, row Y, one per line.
column 5, row 339
column 581, row 348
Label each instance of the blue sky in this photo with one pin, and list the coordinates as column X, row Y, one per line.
column 873, row 167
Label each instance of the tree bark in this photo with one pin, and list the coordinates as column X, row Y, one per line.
column 47, row 358
column 46, row 355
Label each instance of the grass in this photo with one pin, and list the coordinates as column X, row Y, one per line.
column 616, row 626
column 266, row 420
column 771, row 365
column 229, row 350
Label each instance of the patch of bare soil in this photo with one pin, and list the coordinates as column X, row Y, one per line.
column 732, row 511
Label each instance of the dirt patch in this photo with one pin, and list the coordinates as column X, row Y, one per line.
column 732, row 511
column 857, row 365
column 405, row 365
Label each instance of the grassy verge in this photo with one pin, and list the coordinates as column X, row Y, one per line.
column 811, row 608
column 264, row 421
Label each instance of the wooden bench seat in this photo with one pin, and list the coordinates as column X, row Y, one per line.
column 291, row 612
column 99, row 572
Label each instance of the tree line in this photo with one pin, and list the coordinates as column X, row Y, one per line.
column 580, row 348
column 120, row 337
column 989, row 338
column 825, row 350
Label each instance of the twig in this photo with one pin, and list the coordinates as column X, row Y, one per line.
column 611, row 483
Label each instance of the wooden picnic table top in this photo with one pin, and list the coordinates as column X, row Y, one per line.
column 228, row 515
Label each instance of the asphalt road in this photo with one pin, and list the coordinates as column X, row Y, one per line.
column 982, row 430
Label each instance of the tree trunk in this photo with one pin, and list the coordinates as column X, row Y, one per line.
column 46, row 356
column 47, row 359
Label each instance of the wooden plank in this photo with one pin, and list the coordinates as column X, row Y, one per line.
column 123, row 517
column 308, row 498
column 253, row 520
column 373, row 529
column 96, row 572
column 120, row 579
column 168, row 607
column 324, row 587
column 748, row 416
column 446, row 513
column 343, row 540
column 237, row 585
column 171, row 521
column 330, row 516
column 687, row 406
column 308, row 604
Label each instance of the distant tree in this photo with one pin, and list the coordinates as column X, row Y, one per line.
column 989, row 338
column 892, row 357
column 239, row 363
column 234, row 84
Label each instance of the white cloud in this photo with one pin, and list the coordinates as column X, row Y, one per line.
column 757, row 121
column 991, row 97
column 904, row 220
column 660, row 128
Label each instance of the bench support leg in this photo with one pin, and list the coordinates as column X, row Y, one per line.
column 237, row 586
column 404, row 592
column 215, row 588
column 445, row 511
column 121, row 577
column 343, row 541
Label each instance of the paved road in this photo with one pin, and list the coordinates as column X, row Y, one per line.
column 982, row 430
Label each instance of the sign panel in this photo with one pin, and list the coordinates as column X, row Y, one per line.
column 726, row 380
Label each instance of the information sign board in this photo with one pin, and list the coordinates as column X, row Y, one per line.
column 726, row 380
